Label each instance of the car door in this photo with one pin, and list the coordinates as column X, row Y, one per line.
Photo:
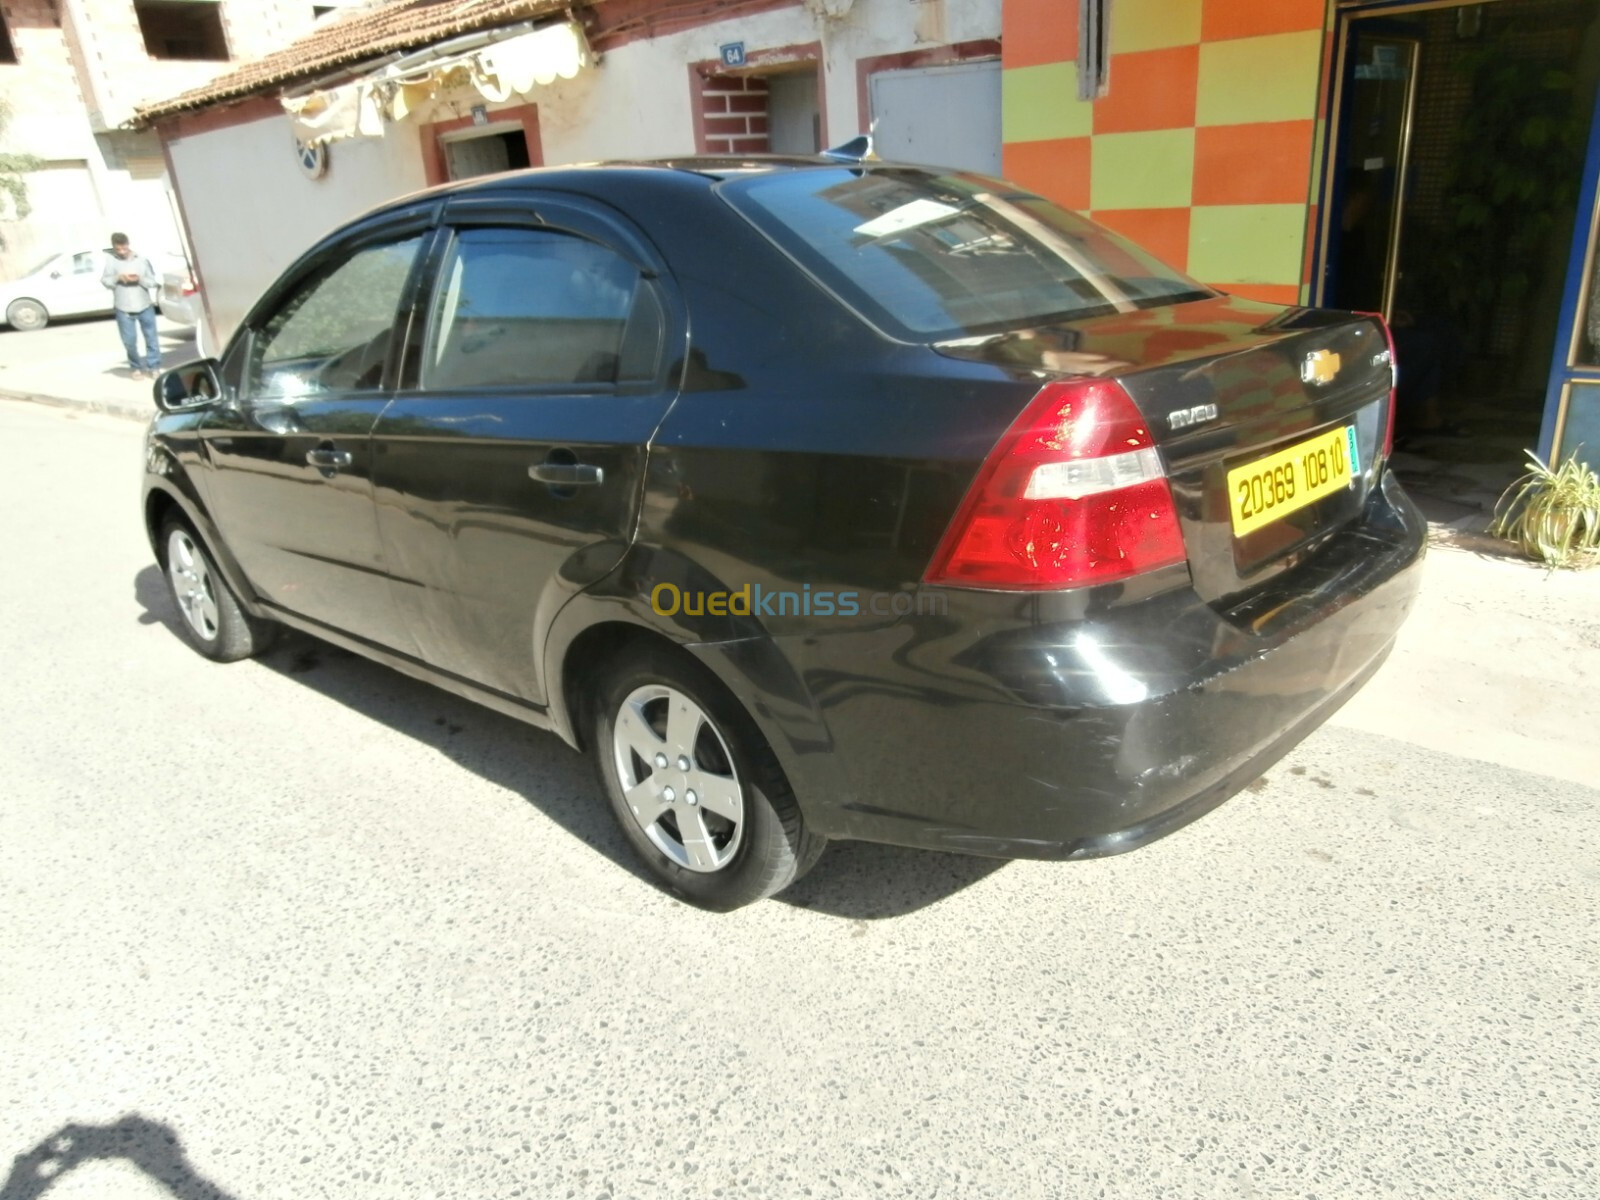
column 53, row 286
column 508, row 467
column 290, row 479
column 75, row 285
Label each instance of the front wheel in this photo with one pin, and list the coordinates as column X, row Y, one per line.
column 697, row 791
column 27, row 315
column 211, row 618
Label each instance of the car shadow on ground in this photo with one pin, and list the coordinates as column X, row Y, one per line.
column 148, row 1145
column 855, row 880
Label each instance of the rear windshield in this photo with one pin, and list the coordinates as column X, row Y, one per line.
column 930, row 257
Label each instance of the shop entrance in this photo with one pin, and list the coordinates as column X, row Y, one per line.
column 1451, row 189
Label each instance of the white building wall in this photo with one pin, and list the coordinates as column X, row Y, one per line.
column 637, row 103
column 251, row 211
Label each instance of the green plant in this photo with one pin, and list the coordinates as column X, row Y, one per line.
column 12, row 169
column 1553, row 515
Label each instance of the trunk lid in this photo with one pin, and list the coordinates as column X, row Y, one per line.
column 1225, row 383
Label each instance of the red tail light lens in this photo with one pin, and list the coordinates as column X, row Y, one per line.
column 1074, row 494
column 1394, row 379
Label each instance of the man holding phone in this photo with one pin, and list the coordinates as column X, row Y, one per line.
column 131, row 278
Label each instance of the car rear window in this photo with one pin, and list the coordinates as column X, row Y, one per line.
column 929, row 257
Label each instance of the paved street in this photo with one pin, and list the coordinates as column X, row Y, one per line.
column 303, row 927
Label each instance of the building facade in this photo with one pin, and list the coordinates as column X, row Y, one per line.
column 72, row 73
column 403, row 96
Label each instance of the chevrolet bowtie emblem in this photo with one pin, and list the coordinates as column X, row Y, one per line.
column 1320, row 366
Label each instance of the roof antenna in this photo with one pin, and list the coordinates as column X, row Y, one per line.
column 856, row 150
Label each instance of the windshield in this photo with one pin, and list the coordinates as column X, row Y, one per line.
column 34, row 270
column 930, row 257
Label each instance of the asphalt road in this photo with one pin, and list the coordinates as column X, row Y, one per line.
column 303, row 927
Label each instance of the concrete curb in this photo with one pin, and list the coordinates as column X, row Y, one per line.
column 125, row 409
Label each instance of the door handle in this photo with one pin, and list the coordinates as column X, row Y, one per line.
column 560, row 474
column 326, row 458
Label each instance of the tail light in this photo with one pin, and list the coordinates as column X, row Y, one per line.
column 189, row 287
column 1394, row 380
column 1074, row 494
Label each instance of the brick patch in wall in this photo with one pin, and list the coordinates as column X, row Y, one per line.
column 730, row 112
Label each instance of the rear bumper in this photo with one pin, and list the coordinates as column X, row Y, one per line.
column 977, row 732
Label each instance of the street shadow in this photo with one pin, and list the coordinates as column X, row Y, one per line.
column 149, row 1145
column 179, row 346
column 855, row 880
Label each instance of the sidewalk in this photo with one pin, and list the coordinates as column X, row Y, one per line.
column 1500, row 661
column 79, row 365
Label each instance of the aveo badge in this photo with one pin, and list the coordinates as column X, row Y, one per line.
column 1182, row 418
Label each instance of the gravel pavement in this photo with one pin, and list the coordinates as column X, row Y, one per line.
column 303, row 927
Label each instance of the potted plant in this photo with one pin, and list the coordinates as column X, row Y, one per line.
column 1553, row 515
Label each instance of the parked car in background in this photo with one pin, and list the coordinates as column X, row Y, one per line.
column 67, row 284
column 816, row 499
column 180, row 295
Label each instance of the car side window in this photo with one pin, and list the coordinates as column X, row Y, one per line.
column 537, row 308
column 332, row 334
column 86, row 263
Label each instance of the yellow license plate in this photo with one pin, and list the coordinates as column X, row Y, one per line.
column 1272, row 487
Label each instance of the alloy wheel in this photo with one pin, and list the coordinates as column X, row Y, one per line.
column 678, row 778
column 192, row 587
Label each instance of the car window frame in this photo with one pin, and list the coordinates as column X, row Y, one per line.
column 570, row 215
column 321, row 259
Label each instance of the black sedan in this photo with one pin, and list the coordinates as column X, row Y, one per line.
column 814, row 498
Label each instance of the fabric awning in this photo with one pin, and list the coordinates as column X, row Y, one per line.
column 497, row 72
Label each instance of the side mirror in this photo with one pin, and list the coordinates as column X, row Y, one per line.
column 55, row 274
column 194, row 385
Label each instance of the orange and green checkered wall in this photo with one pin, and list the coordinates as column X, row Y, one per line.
column 1204, row 148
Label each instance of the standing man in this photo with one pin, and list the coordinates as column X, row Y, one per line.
column 131, row 278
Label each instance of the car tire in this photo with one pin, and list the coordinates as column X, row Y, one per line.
column 27, row 315
column 724, row 832
column 208, row 612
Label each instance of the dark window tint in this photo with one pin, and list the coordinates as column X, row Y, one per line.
column 333, row 333
column 529, row 307
column 929, row 257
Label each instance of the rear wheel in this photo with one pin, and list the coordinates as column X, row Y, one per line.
column 210, row 616
column 697, row 791
column 27, row 315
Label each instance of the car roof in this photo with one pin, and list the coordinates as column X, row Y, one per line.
column 690, row 171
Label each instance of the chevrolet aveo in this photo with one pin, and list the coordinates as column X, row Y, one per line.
column 814, row 498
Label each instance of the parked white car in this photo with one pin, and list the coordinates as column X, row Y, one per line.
column 64, row 285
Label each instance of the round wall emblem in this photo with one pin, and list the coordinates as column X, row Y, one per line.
column 313, row 159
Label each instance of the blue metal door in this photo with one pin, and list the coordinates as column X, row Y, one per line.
column 1572, row 403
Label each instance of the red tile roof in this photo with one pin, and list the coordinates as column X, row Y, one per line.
column 353, row 37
